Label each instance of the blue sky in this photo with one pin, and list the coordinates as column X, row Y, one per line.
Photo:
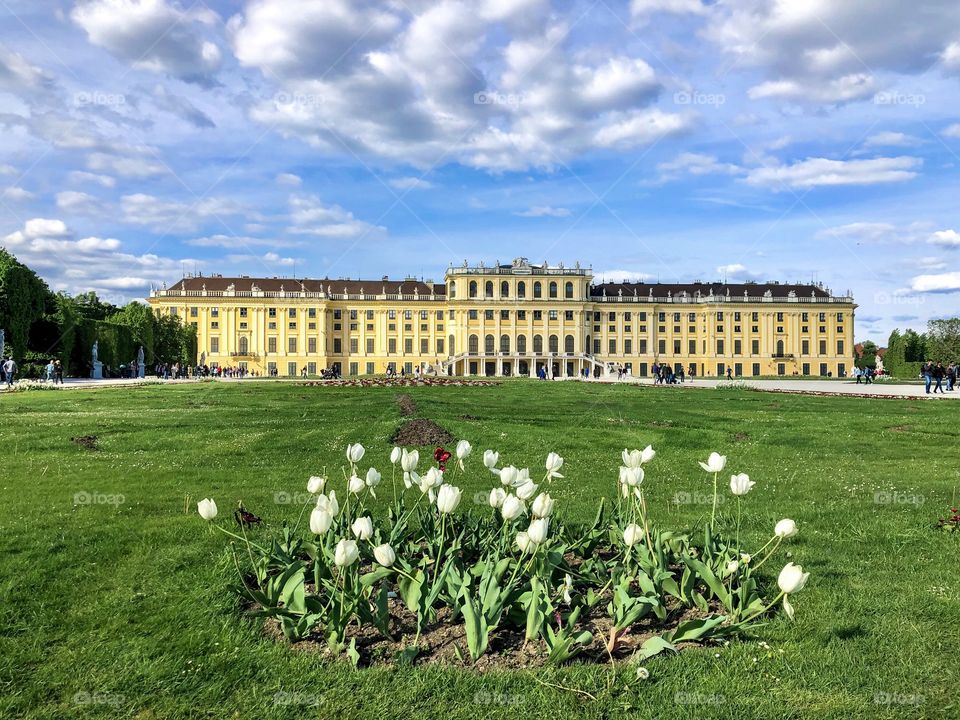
column 658, row 139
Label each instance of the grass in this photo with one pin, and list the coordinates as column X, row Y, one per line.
column 120, row 609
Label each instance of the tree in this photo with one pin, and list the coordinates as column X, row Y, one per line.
column 914, row 346
column 141, row 321
column 943, row 339
column 868, row 354
column 23, row 300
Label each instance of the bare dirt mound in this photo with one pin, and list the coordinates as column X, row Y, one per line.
column 86, row 441
column 421, row 432
column 408, row 406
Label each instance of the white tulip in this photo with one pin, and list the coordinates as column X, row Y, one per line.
column 631, row 458
column 385, row 555
column 355, row 453
column 647, row 454
column 332, row 503
column 512, row 507
column 490, row 459
column 448, row 497
column 363, row 528
column 792, row 578
column 433, row 479
column 527, row 490
column 632, row 534
column 537, row 531
column 315, row 484
column 207, row 509
column 395, row 455
column 464, row 449
column 320, row 521
column 741, row 484
column 785, row 528
column 715, row 463
column 632, row 476
column 356, row 485
column 553, row 464
column 788, row 607
column 525, row 543
column 543, row 505
column 373, row 478
column 409, row 460
column 745, row 558
column 346, row 553
column 497, row 496
column 732, row 567
column 508, row 475
column 567, row 588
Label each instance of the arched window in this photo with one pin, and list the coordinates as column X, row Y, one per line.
column 553, row 290
column 538, row 344
column 452, row 350
column 504, row 343
column 568, row 291
column 521, row 343
column 243, row 346
column 453, row 290
column 521, row 289
column 474, row 345
column 488, row 289
column 568, row 344
column 504, row 289
column 488, row 345
column 537, row 289
column 779, row 348
column 554, row 344
column 473, row 288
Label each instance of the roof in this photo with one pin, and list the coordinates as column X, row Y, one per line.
column 216, row 283
column 777, row 290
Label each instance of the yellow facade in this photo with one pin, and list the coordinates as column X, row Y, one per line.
column 511, row 320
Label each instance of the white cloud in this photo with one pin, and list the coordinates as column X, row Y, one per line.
column 233, row 242
column 175, row 216
column 689, row 163
column 126, row 166
column 862, row 231
column 821, row 172
column 640, row 8
column 936, row 283
column 309, row 216
column 154, row 35
column 268, row 259
column 641, row 128
column 81, row 178
column 8, row 170
column 17, row 193
column 945, row 238
column 410, row 183
column 19, row 76
column 79, row 203
column 856, row 86
column 621, row 276
column 545, row 211
column 952, row 131
column 736, row 272
column 891, row 139
column 950, row 57
column 289, row 180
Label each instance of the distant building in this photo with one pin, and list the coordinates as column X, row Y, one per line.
column 511, row 320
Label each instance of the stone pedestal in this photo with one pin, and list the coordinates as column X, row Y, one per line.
column 140, row 373
column 97, row 373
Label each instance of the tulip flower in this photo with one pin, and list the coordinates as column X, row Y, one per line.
column 537, row 532
column 497, row 496
column 512, row 507
column 320, row 521
column 207, row 509
column 553, row 465
column 409, row 460
column 395, row 455
column 632, row 476
column 315, row 484
column 525, row 543
column 567, row 588
column 373, row 478
column 732, row 567
column 745, row 558
column 448, row 497
column 785, row 528
column 490, row 460
column 346, row 553
column 647, row 454
column 631, row 458
column 363, row 528
column 385, row 555
column 715, row 463
column 792, row 578
column 741, row 484
column 632, row 534
column 508, row 475
column 333, row 504
column 355, row 453
column 464, row 449
column 543, row 506
column 355, row 485
column 527, row 490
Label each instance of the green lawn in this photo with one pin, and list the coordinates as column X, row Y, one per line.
column 121, row 609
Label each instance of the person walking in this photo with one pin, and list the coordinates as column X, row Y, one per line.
column 58, row 372
column 9, row 371
column 938, row 374
column 951, row 376
column 857, row 373
column 50, row 371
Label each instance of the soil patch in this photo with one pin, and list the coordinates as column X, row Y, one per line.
column 900, row 428
column 408, row 406
column 421, row 432
column 86, row 441
column 469, row 417
column 740, row 437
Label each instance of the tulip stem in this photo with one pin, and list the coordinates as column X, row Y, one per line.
column 234, row 535
column 739, row 509
column 761, row 612
column 302, row 510
column 769, row 554
column 713, row 515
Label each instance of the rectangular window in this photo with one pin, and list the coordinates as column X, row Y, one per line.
column 823, row 369
column 424, row 314
column 840, row 317
column 369, row 345
column 312, row 346
column 738, row 369
column 214, row 312
column 626, row 317
column 823, row 317
column 214, row 345
column 292, row 313
column 472, row 314
column 804, row 347
column 271, row 312
column 754, row 347
column 805, row 369
column 521, row 314
column 643, row 317
column 613, row 346
column 354, row 368
column 337, row 346
column 408, row 346
column 439, row 314
column 215, row 325
column 424, row 346
column 311, row 368
column 756, row 369
column 627, row 346
column 271, row 345
column 662, row 347
column 193, row 312
column 568, row 314
column 439, row 346
column 392, row 346
column 721, row 369
column 692, row 347
column 738, row 347
column 311, row 313
column 408, row 314
column 291, row 345
column 755, row 317
column 643, row 347
column 823, row 347
column 292, row 326
column 488, row 314
column 271, row 326
column 243, row 312
column 719, row 347
column 391, row 314
column 736, row 317
column 720, row 316
column 370, row 368
column 354, row 346
column 596, row 347
column 552, row 314
column 676, row 347
column 291, row 369
column 504, row 314
column 839, row 347
column 338, row 314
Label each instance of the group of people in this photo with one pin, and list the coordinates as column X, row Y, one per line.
column 53, row 372
column 866, row 374
column 935, row 373
column 664, row 374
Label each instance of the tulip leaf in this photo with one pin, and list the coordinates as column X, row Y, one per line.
column 375, row 576
column 696, row 629
column 655, row 646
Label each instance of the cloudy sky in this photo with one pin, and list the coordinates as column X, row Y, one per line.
column 660, row 139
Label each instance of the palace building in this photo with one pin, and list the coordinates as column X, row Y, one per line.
column 507, row 320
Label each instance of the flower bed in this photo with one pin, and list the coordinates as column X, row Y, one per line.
column 512, row 586
column 400, row 382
